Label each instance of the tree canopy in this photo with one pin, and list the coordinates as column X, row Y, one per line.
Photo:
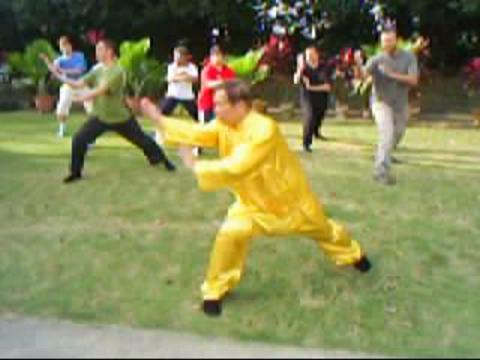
column 452, row 25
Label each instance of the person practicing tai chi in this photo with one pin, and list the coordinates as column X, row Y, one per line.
column 273, row 196
column 107, row 82
column 213, row 74
column 182, row 75
column 71, row 64
column 316, row 78
column 394, row 72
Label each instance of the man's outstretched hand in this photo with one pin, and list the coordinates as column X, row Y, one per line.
column 51, row 66
column 45, row 59
column 151, row 111
column 186, row 153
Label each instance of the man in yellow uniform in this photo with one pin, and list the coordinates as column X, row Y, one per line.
column 273, row 196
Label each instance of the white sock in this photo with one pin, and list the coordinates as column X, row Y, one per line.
column 159, row 138
column 61, row 129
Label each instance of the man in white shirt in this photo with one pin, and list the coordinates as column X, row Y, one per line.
column 182, row 75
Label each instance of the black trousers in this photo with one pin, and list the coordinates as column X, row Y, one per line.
column 207, row 116
column 314, row 110
column 130, row 130
column 170, row 104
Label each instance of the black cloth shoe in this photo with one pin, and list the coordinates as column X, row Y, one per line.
column 363, row 265
column 385, row 179
column 212, row 308
column 72, row 178
column 170, row 166
column 397, row 161
column 307, row 149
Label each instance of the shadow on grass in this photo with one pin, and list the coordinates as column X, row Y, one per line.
column 459, row 153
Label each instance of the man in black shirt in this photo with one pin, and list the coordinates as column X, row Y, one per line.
column 315, row 78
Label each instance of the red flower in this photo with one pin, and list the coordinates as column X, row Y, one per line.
column 278, row 53
column 95, row 35
column 472, row 72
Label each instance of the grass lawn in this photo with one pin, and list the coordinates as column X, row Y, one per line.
column 130, row 244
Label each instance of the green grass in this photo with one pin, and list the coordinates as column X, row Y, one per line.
column 130, row 244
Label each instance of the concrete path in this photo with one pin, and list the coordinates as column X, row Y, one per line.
column 34, row 338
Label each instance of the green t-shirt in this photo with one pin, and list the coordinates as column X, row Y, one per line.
column 109, row 108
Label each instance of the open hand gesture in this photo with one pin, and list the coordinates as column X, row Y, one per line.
column 51, row 66
column 186, row 153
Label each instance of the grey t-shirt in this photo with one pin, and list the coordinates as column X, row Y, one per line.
column 385, row 89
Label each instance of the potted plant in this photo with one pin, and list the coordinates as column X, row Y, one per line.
column 145, row 75
column 44, row 100
column 29, row 65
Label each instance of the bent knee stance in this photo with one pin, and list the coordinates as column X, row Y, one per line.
column 338, row 244
column 228, row 258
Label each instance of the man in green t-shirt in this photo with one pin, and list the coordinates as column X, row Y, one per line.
column 107, row 81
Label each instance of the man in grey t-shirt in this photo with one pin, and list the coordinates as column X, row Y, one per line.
column 393, row 72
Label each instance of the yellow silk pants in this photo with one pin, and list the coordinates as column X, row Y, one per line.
column 229, row 253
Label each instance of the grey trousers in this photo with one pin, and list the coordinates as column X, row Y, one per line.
column 392, row 124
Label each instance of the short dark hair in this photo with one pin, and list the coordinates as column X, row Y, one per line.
column 389, row 31
column 237, row 91
column 109, row 44
column 390, row 28
column 314, row 48
column 182, row 50
column 65, row 38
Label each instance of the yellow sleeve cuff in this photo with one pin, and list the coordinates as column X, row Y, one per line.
column 210, row 175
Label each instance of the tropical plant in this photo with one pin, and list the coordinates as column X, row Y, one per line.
column 145, row 74
column 248, row 66
column 30, row 65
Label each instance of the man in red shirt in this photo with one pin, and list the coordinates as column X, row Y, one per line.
column 214, row 74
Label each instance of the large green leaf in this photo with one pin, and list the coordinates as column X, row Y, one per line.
column 16, row 62
column 144, row 73
column 248, row 66
column 245, row 65
column 132, row 53
column 29, row 63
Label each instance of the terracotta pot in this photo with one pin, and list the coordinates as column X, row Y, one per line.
column 44, row 103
